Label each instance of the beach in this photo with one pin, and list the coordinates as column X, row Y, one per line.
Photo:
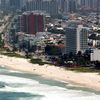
column 88, row 80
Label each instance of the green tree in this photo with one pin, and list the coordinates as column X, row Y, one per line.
column 1, row 40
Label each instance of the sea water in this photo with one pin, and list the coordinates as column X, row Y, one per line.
column 16, row 85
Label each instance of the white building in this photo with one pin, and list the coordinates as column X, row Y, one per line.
column 76, row 39
column 95, row 55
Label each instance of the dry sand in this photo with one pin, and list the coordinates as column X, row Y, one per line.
column 90, row 80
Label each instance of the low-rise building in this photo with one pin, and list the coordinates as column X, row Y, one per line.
column 95, row 55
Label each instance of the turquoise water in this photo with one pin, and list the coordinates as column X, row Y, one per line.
column 16, row 85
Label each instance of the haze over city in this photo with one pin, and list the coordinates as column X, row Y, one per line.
column 49, row 49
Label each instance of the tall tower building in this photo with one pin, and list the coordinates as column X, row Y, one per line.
column 62, row 6
column 76, row 39
column 89, row 4
column 47, row 6
column 72, row 5
column 15, row 4
column 31, row 22
column 4, row 4
column 68, row 6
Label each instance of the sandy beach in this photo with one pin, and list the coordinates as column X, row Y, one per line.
column 89, row 80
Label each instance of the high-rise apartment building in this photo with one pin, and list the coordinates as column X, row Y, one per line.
column 68, row 6
column 47, row 6
column 4, row 5
column 14, row 4
column 76, row 39
column 72, row 5
column 89, row 5
column 31, row 22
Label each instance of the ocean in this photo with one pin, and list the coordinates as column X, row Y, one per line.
column 15, row 85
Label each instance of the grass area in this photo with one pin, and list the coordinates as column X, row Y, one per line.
column 84, row 69
column 39, row 61
column 2, row 50
column 12, row 54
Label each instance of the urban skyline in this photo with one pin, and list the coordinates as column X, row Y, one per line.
column 49, row 49
column 64, row 6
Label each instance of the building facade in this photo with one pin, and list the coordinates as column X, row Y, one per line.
column 76, row 39
column 95, row 55
column 68, row 6
column 4, row 5
column 89, row 4
column 47, row 6
column 14, row 4
column 31, row 22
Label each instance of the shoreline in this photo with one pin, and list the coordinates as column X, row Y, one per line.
column 88, row 80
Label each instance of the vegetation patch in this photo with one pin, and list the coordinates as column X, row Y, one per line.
column 84, row 69
column 39, row 61
column 12, row 54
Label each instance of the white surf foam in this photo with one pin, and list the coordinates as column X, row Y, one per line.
column 49, row 92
